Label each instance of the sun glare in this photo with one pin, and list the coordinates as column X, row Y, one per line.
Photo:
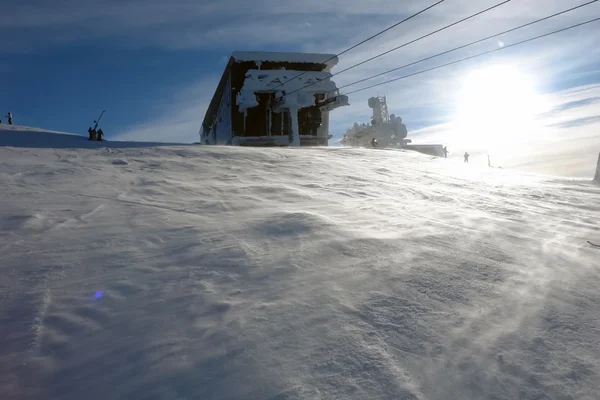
column 496, row 106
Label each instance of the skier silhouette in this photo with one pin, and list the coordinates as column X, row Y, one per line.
column 445, row 152
column 467, row 155
column 9, row 116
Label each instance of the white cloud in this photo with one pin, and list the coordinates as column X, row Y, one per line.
column 213, row 23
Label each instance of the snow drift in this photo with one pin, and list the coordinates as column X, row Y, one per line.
column 332, row 273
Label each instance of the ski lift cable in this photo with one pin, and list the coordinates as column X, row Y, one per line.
column 408, row 43
column 476, row 55
column 367, row 39
column 468, row 44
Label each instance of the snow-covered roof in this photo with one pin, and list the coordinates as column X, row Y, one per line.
column 312, row 58
column 303, row 84
column 288, row 80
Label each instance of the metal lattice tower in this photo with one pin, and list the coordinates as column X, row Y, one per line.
column 384, row 109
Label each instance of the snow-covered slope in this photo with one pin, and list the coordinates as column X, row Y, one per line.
column 24, row 136
column 597, row 174
column 243, row 273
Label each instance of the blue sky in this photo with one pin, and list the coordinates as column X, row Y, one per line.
column 154, row 65
column 67, row 88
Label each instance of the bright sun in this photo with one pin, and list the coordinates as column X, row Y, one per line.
column 496, row 106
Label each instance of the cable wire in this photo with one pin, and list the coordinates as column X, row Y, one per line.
column 468, row 44
column 407, row 43
column 476, row 55
column 367, row 39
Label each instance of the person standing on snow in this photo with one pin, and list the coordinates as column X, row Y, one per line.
column 445, row 152
column 467, row 157
column 100, row 134
column 9, row 116
column 92, row 133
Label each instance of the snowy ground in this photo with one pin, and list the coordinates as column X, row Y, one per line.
column 190, row 272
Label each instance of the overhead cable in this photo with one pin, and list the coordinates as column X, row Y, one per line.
column 476, row 55
column 367, row 39
column 468, row 44
column 404, row 44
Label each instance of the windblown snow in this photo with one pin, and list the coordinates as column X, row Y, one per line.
column 193, row 272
